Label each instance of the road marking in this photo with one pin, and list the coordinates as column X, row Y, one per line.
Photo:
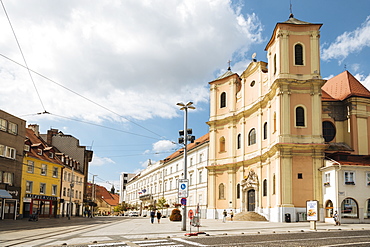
column 188, row 242
column 159, row 242
column 350, row 244
column 108, row 244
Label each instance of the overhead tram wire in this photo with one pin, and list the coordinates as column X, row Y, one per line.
column 80, row 95
column 24, row 59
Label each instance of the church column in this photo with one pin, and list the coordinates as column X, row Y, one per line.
column 316, row 118
column 284, row 115
column 213, row 103
column 315, row 53
column 284, row 53
column 211, row 193
column 286, row 177
column 231, row 188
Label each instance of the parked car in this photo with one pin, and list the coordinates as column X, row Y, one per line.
column 133, row 214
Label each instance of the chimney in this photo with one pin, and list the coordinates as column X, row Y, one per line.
column 35, row 128
column 49, row 136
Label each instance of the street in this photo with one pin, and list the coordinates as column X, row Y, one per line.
column 126, row 231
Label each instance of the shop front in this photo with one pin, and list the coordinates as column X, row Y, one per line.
column 9, row 203
column 43, row 206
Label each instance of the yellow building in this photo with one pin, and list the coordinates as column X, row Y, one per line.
column 41, row 178
column 272, row 127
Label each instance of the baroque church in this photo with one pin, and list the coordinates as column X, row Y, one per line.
column 281, row 135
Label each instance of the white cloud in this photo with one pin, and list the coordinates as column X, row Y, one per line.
column 164, row 146
column 365, row 80
column 133, row 57
column 101, row 161
column 348, row 42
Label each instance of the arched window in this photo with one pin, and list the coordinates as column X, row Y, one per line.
column 223, row 100
column 298, row 54
column 264, row 187
column 221, row 191
column 252, row 137
column 222, row 144
column 299, row 116
column 329, row 209
column 367, row 209
column 328, row 131
column 265, row 131
column 238, row 191
column 274, row 64
column 239, row 141
column 349, row 208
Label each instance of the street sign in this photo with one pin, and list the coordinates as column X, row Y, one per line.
column 183, row 201
column 183, row 188
column 191, row 214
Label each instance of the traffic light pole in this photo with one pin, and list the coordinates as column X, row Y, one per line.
column 183, row 228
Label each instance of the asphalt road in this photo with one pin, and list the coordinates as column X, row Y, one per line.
column 124, row 231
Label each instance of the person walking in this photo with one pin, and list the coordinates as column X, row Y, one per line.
column 152, row 215
column 159, row 216
column 336, row 218
column 231, row 215
column 225, row 215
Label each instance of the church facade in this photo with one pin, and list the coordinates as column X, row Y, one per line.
column 275, row 127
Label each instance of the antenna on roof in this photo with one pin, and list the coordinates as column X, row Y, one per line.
column 291, row 10
column 229, row 62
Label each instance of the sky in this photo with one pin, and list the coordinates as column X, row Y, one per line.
column 111, row 72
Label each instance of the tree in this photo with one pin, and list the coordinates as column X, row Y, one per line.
column 161, row 202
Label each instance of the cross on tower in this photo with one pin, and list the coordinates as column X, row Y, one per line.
column 229, row 62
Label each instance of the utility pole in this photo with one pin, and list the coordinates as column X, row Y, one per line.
column 93, row 194
column 71, row 185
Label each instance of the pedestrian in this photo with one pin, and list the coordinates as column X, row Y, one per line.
column 159, row 216
column 152, row 215
column 225, row 215
column 231, row 215
column 336, row 218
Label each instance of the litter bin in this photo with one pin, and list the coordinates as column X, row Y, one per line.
column 287, row 218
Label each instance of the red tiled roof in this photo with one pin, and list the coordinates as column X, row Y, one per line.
column 103, row 194
column 343, row 86
column 190, row 146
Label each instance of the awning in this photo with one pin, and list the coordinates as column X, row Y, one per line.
column 5, row 194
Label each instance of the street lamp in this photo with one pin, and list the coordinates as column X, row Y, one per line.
column 185, row 133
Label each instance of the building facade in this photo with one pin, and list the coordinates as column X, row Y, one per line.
column 12, row 132
column 161, row 180
column 269, row 129
column 41, row 178
column 123, row 180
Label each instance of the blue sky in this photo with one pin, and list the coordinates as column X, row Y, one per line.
column 111, row 72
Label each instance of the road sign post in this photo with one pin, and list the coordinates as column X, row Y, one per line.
column 183, row 188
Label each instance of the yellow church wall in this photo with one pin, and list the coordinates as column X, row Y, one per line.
column 302, row 189
column 303, row 100
column 305, row 42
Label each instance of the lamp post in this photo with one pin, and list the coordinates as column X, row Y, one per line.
column 185, row 108
column 71, row 185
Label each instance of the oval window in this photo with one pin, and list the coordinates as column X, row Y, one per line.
column 252, row 83
column 328, row 131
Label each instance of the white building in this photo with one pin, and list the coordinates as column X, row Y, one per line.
column 161, row 179
column 123, row 180
column 346, row 188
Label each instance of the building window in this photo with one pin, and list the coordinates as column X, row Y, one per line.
column 30, row 166
column 10, row 152
column 298, row 54
column 273, row 184
column 221, row 191
column 368, row 178
column 367, row 209
column 54, row 189
column 191, row 161
column 177, row 167
column 2, row 150
column 8, row 178
column 3, row 124
column 223, row 100
column 264, row 187
column 13, row 128
column 300, row 175
column 29, row 185
column 239, row 141
column 67, row 192
column 222, row 144
column 275, row 122
column 328, row 131
column 191, row 179
column 349, row 208
column 265, row 131
column 44, row 168
column 238, row 191
column 42, row 188
column 55, row 172
column 327, row 179
column 64, row 191
column 200, row 158
column 274, row 64
column 200, row 177
column 299, row 116
column 349, row 178
column 252, row 137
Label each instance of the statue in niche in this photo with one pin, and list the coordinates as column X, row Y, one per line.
column 251, row 180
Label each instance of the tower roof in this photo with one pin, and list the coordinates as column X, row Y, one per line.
column 345, row 85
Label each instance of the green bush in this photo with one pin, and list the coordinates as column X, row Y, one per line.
column 175, row 215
